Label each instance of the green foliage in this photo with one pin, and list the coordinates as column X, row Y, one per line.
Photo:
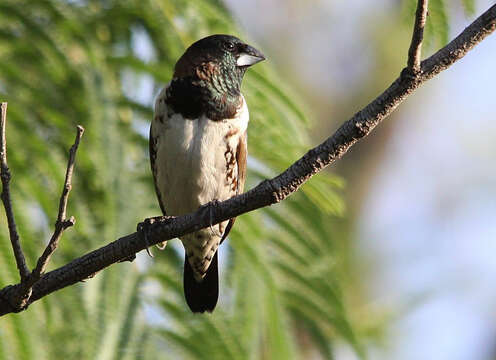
column 64, row 63
column 469, row 7
column 437, row 28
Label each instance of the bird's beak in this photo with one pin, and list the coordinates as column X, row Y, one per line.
column 249, row 56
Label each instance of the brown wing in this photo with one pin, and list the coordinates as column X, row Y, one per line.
column 152, row 143
column 241, row 154
column 153, row 156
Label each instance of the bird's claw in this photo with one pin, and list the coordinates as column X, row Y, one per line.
column 144, row 228
column 162, row 245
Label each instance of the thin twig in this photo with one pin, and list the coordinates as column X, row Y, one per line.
column 62, row 223
column 269, row 191
column 7, row 202
column 414, row 53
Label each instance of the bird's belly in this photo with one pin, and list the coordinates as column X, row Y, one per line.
column 192, row 162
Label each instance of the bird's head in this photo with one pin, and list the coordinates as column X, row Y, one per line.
column 220, row 60
column 207, row 78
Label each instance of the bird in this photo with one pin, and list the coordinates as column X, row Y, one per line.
column 198, row 150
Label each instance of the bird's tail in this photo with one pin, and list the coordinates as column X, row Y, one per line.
column 201, row 296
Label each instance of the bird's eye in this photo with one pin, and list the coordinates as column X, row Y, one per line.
column 229, row 46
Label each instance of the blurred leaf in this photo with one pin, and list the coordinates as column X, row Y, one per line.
column 469, row 7
column 437, row 27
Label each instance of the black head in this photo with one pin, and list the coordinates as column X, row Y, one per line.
column 226, row 53
column 207, row 78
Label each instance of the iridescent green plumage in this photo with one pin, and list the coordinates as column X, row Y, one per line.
column 207, row 79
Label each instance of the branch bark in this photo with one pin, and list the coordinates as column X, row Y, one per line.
column 62, row 222
column 20, row 295
column 270, row 191
column 415, row 50
column 7, row 202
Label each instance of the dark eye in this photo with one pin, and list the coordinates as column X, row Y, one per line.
column 229, row 46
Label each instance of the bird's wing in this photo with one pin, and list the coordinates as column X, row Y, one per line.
column 160, row 113
column 153, row 156
column 241, row 155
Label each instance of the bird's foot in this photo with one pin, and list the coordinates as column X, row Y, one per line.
column 144, row 229
column 162, row 245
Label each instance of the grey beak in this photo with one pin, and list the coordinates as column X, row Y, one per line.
column 249, row 56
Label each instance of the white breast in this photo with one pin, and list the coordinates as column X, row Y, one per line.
column 191, row 157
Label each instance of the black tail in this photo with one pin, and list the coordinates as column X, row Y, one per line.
column 201, row 296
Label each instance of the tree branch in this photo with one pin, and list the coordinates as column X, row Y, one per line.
column 415, row 50
column 7, row 202
column 21, row 296
column 62, row 223
column 269, row 191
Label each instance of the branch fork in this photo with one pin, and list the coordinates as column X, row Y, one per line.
column 20, row 299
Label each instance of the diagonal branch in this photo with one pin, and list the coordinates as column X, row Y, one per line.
column 269, row 191
column 414, row 53
column 7, row 202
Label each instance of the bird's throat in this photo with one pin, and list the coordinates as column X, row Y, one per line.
column 218, row 96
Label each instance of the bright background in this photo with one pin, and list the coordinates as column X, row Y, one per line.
column 386, row 256
column 423, row 189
